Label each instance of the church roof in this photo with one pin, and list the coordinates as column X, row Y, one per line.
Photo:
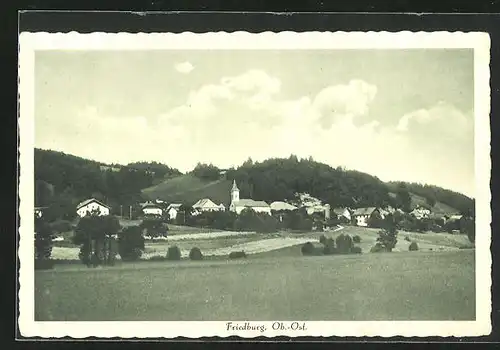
column 250, row 203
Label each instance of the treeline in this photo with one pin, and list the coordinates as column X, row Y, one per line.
column 62, row 180
column 280, row 178
column 433, row 194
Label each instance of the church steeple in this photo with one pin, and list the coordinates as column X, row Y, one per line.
column 235, row 192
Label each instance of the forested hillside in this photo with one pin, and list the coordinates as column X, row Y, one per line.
column 63, row 180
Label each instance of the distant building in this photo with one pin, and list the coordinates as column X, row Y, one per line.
column 279, row 206
column 172, row 210
column 362, row 215
column 237, row 204
column 420, row 212
column 150, row 208
column 92, row 205
column 207, row 205
column 39, row 211
column 342, row 214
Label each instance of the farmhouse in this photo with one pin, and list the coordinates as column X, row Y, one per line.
column 420, row 212
column 206, row 204
column 361, row 215
column 150, row 208
column 92, row 205
column 39, row 211
column 237, row 204
column 172, row 210
column 342, row 214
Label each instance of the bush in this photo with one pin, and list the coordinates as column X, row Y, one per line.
column 356, row 239
column 322, row 239
column 130, row 243
column 407, row 239
column 413, row 246
column 195, row 254
column 377, row 248
column 344, row 244
column 329, row 248
column 356, row 250
column 307, row 249
column 237, row 255
column 61, row 226
column 173, row 253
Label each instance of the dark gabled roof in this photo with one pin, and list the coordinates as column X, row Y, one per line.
column 88, row 201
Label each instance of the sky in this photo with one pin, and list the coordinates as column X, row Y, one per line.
column 396, row 114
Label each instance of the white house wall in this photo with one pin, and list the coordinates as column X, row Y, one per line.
column 152, row 211
column 92, row 207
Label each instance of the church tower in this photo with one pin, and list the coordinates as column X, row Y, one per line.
column 235, row 193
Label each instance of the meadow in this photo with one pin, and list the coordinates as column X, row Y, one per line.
column 423, row 285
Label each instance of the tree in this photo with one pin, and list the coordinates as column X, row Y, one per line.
column 130, row 243
column 375, row 220
column 468, row 226
column 154, row 226
column 43, row 239
column 344, row 244
column 94, row 234
column 387, row 238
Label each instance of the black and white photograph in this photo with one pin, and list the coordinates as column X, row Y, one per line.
column 245, row 184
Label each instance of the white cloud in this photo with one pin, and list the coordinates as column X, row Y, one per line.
column 184, row 67
column 446, row 118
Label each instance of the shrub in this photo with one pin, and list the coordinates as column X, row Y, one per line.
column 356, row 250
column 344, row 244
column 237, row 255
column 377, row 248
column 356, row 239
column 195, row 254
column 61, row 226
column 322, row 239
column 130, row 243
column 307, row 249
column 407, row 239
column 329, row 248
column 413, row 246
column 173, row 253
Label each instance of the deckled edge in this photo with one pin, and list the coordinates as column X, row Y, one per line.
column 29, row 42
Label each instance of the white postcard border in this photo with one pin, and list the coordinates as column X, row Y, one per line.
column 31, row 42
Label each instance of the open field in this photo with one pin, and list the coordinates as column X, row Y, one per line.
column 221, row 243
column 386, row 286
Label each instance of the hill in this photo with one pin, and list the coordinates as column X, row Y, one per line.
column 188, row 189
column 63, row 180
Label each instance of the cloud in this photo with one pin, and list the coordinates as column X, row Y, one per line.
column 184, row 67
column 444, row 118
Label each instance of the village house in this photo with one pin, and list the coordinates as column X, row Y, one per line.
column 237, row 204
column 207, row 205
column 342, row 214
column 150, row 208
column 420, row 212
column 39, row 211
column 92, row 205
column 362, row 215
column 172, row 210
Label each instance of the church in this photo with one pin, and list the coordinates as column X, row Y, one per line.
column 237, row 204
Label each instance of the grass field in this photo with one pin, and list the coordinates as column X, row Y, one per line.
column 386, row 286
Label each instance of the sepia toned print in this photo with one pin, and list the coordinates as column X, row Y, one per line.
column 254, row 184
